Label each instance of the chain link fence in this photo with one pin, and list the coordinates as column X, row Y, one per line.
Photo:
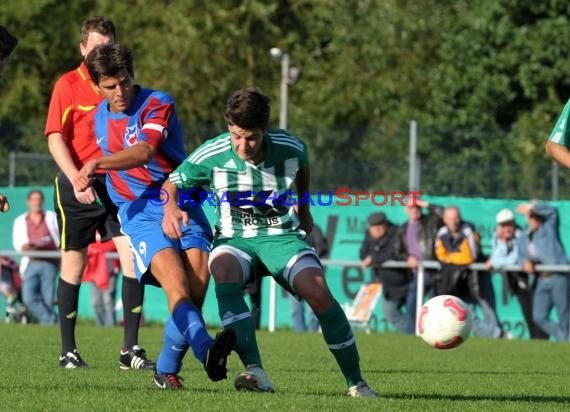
column 449, row 163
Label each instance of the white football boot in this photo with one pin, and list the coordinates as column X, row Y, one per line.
column 253, row 379
column 361, row 390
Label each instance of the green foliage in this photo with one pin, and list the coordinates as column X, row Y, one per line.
column 485, row 79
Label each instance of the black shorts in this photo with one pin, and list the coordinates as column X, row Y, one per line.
column 78, row 222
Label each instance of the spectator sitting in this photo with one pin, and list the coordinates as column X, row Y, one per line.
column 457, row 246
column 378, row 247
column 415, row 240
column 36, row 230
column 504, row 253
column 102, row 273
column 540, row 244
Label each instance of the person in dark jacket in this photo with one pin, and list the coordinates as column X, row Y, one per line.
column 415, row 240
column 378, row 247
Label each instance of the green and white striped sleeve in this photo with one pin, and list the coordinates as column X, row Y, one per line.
column 189, row 175
column 561, row 132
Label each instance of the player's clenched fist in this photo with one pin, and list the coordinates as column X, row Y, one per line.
column 85, row 176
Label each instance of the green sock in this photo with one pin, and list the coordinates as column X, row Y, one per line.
column 236, row 315
column 340, row 340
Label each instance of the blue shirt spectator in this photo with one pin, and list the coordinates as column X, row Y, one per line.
column 540, row 243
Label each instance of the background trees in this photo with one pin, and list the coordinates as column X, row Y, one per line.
column 485, row 79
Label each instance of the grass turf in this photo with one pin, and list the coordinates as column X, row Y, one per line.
column 480, row 375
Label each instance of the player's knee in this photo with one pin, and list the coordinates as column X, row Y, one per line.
column 311, row 286
column 225, row 268
column 319, row 299
column 72, row 265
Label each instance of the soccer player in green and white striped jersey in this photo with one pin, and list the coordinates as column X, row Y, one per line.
column 252, row 171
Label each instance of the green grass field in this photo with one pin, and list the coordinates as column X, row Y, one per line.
column 480, row 375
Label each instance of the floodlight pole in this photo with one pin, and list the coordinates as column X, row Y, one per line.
column 283, row 101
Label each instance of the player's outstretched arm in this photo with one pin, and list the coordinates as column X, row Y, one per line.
column 559, row 153
column 172, row 213
column 135, row 156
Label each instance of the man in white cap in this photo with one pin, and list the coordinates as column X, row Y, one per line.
column 506, row 253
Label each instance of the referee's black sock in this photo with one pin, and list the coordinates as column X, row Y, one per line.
column 67, row 297
column 133, row 295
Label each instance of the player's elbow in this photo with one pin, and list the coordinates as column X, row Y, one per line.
column 548, row 147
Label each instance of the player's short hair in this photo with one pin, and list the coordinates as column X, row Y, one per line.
column 99, row 25
column 109, row 60
column 248, row 108
column 7, row 43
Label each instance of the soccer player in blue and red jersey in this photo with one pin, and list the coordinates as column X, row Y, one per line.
column 80, row 214
column 143, row 141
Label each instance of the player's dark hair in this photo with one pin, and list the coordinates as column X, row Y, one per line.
column 249, row 109
column 33, row 192
column 7, row 43
column 99, row 25
column 109, row 60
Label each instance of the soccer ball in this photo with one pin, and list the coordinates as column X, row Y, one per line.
column 445, row 322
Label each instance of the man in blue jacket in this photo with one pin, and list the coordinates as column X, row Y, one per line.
column 540, row 244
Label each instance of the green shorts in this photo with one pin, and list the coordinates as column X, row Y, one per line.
column 272, row 255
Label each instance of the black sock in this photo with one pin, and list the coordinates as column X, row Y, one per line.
column 67, row 297
column 133, row 295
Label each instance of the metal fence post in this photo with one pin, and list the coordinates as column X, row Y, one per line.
column 413, row 163
column 555, row 181
column 12, row 170
column 419, row 295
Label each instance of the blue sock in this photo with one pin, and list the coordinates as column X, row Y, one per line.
column 173, row 350
column 189, row 322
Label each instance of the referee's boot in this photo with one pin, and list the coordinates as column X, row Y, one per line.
column 135, row 358
column 72, row 360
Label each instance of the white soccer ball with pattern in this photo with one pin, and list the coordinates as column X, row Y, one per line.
column 445, row 322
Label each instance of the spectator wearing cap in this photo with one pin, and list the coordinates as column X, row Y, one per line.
column 378, row 247
column 540, row 244
column 505, row 252
column 415, row 240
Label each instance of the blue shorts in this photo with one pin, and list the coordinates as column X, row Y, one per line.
column 141, row 222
